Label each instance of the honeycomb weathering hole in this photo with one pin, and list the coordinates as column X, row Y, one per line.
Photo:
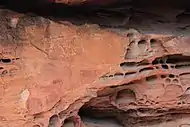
column 125, row 97
column 173, row 91
column 187, row 92
column 68, row 123
column 146, row 70
column 98, row 119
column 142, row 46
column 6, row 60
column 53, row 121
column 164, row 66
column 151, row 78
column 99, row 114
column 36, row 126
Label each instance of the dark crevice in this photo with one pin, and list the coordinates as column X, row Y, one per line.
column 93, row 117
column 53, row 121
column 171, row 76
column 146, row 69
column 151, row 78
column 164, row 66
column 178, row 58
column 68, row 123
column 6, row 60
column 99, row 115
column 172, row 59
column 56, row 10
column 122, row 14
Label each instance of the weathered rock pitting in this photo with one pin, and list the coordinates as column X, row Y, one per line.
column 56, row 74
column 149, row 88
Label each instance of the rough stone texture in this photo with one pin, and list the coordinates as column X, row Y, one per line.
column 55, row 75
column 44, row 69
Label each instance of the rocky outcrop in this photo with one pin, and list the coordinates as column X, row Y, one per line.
column 47, row 66
column 56, row 74
column 148, row 86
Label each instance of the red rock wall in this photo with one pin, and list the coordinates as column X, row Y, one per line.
column 47, row 68
column 55, row 75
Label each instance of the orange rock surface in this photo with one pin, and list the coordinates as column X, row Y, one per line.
column 56, row 75
column 52, row 66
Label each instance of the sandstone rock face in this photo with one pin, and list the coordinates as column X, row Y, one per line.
column 58, row 75
column 46, row 68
